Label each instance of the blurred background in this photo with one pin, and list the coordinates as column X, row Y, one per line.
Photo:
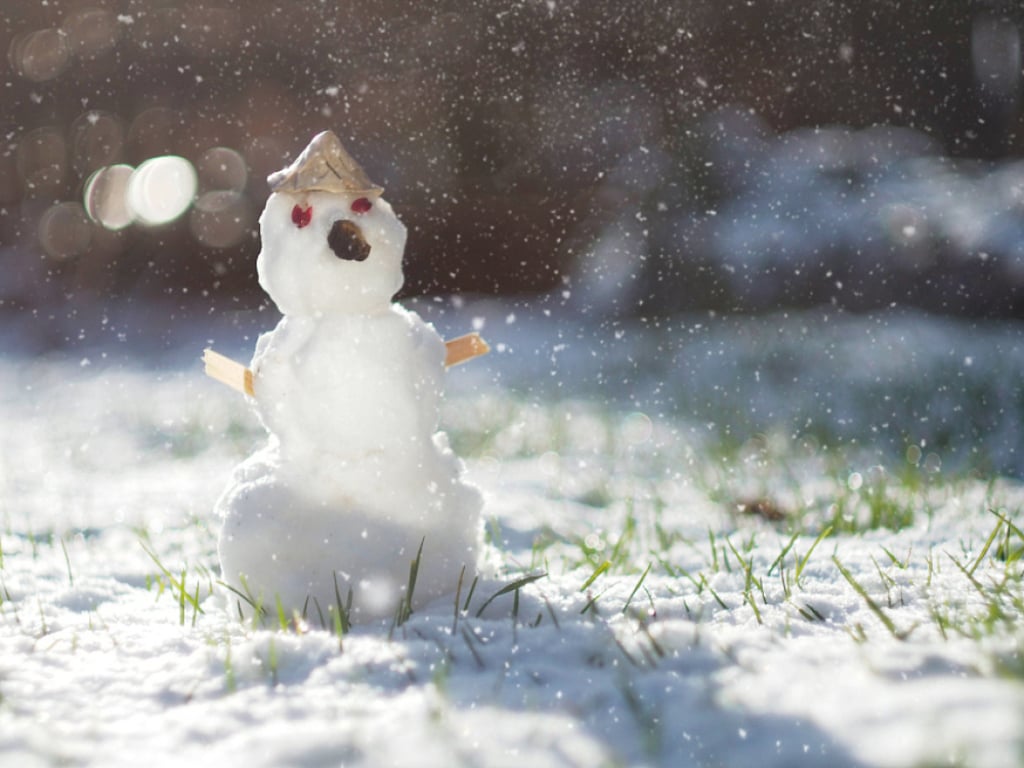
column 638, row 159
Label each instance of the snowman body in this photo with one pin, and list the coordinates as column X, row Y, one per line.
column 384, row 397
column 355, row 476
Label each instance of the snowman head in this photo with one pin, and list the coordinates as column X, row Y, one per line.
column 331, row 244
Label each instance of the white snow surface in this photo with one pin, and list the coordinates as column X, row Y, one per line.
column 100, row 665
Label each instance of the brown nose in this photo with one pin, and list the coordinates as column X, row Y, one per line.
column 346, row 240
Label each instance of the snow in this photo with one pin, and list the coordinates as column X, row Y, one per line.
column 98, row 668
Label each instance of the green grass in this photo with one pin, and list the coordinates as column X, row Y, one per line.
column 853, row 504
column 513, row 587
column 188, row 597
column 888, row 623
column 997, row 579
column 404, row 609
column 878, row 503
column 67, row 562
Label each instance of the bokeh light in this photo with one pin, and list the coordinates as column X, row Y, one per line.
column 222, row 168
column 106, row 196
column 97, row 139
column 42, row 162
column 91, row 32
column 221, row 218
column 161, row 189
column 40, row 55
column 65, row 231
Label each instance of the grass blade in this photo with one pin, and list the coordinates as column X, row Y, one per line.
column 802, row 561
column 510, row 587
column 341, row 619
column 282, row 617
column 67, row 562
column 458, row 595
column 414, row 569
column 469, row 644
column 785, row 550
column 472, row 589
column 988, row 543
column 248, row 599
column 872, row 605
column 636, row 588
column 591, row 603
column 597, row 572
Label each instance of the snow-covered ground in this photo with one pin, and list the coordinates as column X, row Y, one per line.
column 641, row 469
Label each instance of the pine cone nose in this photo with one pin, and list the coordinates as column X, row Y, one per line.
column 346, row 240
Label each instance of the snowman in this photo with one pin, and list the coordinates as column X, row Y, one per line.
column 355, row 477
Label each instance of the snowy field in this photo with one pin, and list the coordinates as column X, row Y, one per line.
column 776, row 541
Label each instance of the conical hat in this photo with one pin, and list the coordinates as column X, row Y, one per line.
column 324, row 166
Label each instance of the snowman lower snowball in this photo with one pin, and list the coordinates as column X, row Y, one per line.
column 355, row 476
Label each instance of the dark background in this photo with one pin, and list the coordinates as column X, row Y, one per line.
column 647, row 157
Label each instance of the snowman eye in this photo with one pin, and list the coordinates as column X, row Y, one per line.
column 347, row 242
column 302, row 216
column 362, row 205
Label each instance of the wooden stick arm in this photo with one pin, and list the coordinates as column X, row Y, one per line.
column 227, row 371
column 238, row 377
column 464, row 348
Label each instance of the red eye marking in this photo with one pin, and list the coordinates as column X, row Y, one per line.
column 362, row 205
column 302, row 216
